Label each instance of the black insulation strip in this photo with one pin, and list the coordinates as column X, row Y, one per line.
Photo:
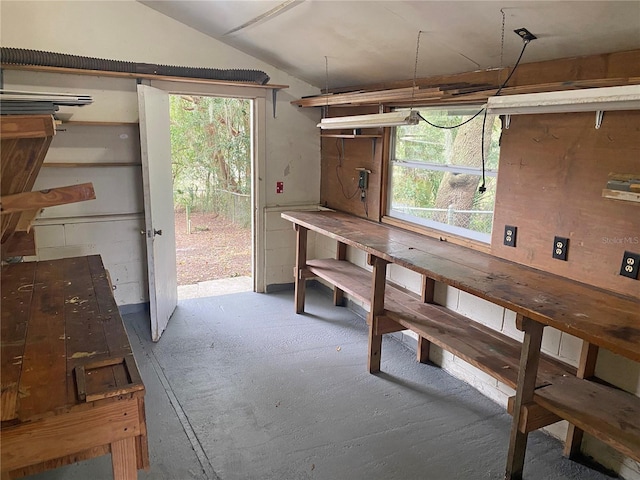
column 20, row 56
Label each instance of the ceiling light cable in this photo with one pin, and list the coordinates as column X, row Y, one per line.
column 415, row 70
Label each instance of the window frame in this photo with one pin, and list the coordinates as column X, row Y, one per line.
column 452, row 233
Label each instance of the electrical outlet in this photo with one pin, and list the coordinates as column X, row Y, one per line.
column 510, row 233
column 560, row 247
column 279, row 187
column 525, row 34
column 630, row 265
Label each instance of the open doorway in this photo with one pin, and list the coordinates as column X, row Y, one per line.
column 211, row 168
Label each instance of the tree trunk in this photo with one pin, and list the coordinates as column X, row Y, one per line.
column 457, row 191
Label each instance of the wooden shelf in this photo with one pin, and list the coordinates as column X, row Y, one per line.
column 484, row 348
column 588, row 406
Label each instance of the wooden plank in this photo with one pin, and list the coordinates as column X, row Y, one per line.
column 301, row 264
column 60, row 462
column 341, row 254
column 60, row 435
column 426, row 296
column 17, row 289
column 26, row 126
column 20, row 244
column 377, row 309
column 354, row 281
column 123, row 459
column 527, row 374
column 25, row 201
column 86, row 342
column 26, row 220
column 601, row 66
column 21, row 158
column 599, row 316
column 469, row 340
column 619, row 195
column 43, row 380
column 589, row 406
column 586, row 369
column 142, row 444
column 533, row 416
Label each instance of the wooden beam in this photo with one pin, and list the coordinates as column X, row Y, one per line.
column 25, row 201
column 301, row 266
column 586, row 369
column 607, row 65
column 533, row 416
column 26, row 220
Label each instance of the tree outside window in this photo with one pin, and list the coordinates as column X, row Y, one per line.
column 435, row 173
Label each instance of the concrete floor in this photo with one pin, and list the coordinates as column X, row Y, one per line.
column 239, row 387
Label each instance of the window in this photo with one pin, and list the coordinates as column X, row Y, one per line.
column 435, row 173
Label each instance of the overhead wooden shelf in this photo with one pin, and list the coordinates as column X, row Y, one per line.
column 448, row 94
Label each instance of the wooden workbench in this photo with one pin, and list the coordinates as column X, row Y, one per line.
column 546, row 390
column 71, row 389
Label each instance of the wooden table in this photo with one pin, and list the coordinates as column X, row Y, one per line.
column 546, row 390
column 71, row 389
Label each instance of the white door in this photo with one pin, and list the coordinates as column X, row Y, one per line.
column 155, row 141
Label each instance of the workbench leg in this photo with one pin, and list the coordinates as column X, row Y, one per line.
column 424, row 345
column 123, row 459
column 338, row 293
column 377, row 308
column 586, row 369
column 301, row 265
column 528, row 370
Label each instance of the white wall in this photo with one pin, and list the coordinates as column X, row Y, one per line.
column 616, row 370
column 127, row 30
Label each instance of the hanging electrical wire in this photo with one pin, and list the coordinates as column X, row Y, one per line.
column 482, row 187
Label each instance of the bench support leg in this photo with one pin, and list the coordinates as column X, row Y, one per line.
column 338, row 294
column 123, row 459
column 424, row 345
column 377, row 308
column 528, row 370
column 301, row 265
column 586, row 369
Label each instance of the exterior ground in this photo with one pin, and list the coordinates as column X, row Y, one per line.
column 216, row 248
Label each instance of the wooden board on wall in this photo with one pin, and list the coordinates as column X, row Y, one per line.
column 553, row 168
column 339, row 177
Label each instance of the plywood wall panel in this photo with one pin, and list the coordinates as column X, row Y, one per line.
column 339, row 177
column 553, row 168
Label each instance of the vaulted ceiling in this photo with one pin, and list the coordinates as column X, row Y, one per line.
column 375, row 41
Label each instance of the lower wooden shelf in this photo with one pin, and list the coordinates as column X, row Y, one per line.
column 588, row 406
column 492, row 352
